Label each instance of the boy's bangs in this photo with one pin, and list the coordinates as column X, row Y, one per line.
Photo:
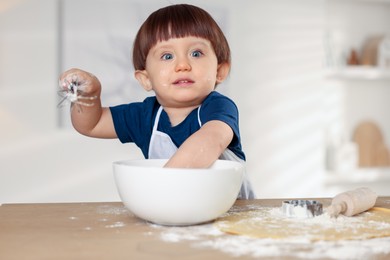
column 174, row 29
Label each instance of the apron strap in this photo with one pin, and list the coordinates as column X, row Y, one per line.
column 200, row 122
column 157, row 118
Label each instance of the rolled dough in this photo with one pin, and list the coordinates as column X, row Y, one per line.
column 271, row 223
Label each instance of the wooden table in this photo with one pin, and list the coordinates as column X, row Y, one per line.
column 109, row 231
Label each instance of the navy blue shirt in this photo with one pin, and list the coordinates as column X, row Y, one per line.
column 134, row 122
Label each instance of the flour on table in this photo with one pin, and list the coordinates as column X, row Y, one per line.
column 210, row 236
column 116, row 225
column 112, row 210
column 271, row 223
column 177, row 234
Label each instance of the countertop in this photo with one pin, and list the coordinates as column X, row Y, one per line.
column 109, row 231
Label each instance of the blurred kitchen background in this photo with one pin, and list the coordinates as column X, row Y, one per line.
column 311, row 79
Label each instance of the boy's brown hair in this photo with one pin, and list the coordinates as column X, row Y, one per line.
column 177, row 21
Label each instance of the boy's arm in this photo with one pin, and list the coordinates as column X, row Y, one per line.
column 203, row 147
column 94, row 121
column 91, row 120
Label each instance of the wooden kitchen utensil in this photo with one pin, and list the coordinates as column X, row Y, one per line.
column 372, row 148
column 370, row 51
column 353, row 202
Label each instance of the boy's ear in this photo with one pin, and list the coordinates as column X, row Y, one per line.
column 143, row 79
column 222, row 72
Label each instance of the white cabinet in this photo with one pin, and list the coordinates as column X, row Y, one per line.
column 365, row 90
column 366, row 74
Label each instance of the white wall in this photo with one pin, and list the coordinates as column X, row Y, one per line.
column 277, row 80
column 28, row 66
column 40, row 162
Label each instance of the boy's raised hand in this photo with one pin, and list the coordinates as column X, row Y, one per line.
column 88, row 116
column 80, row 87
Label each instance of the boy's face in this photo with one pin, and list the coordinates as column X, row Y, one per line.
column 182, row 71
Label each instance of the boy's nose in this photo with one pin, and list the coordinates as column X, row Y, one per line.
column 183, row 64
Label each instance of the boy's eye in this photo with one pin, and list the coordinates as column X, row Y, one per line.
column 167, row 56
column 196, row 54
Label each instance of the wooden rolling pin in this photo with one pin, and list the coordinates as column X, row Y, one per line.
column 353, row 202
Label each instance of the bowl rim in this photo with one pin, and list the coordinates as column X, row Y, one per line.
column 124, row 163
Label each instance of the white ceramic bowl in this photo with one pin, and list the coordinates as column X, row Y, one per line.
column 171, row 196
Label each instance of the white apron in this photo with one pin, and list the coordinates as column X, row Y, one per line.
column 162, row 147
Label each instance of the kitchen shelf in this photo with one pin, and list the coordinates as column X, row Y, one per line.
column 359, row 175
column 369, row 1
column 360, row 73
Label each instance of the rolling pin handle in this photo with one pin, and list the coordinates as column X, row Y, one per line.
column 335, row 209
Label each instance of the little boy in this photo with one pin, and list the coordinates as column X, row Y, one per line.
column 181, row 54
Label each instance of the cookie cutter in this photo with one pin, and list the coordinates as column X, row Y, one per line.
column 301, row 208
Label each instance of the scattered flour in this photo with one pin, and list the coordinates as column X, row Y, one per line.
column 300, row 212
column 116, row 225
column 240, row 245
column 209, row 236
column 177, row 234
column 340, row 223
column 112, row 210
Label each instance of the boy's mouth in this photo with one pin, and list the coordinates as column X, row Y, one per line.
column 183, row 82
